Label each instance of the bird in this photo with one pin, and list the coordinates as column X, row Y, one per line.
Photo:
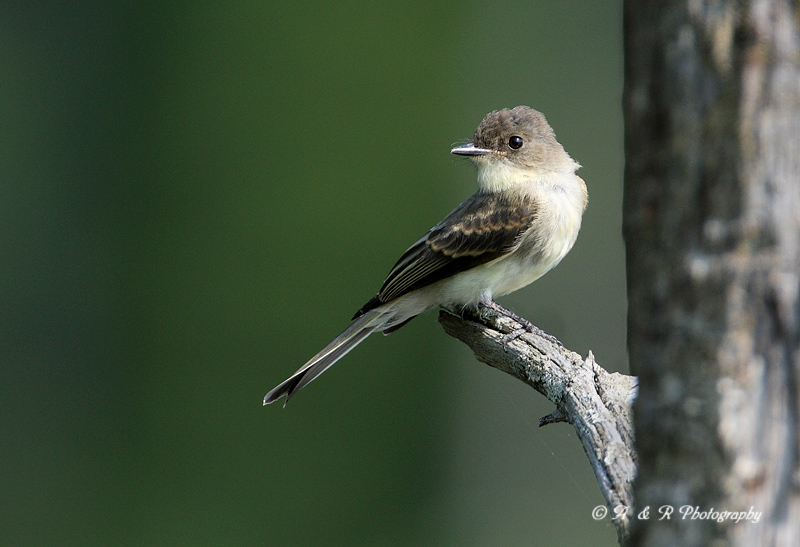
column 523, row 219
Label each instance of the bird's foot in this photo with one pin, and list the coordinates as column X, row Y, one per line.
column 527, row 326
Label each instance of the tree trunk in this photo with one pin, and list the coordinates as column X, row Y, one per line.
column 712, row 229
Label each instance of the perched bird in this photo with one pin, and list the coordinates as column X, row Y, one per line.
column 519, row 224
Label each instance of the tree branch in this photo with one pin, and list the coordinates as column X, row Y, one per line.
column 595, row 402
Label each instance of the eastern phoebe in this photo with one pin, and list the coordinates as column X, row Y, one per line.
column 516, row 227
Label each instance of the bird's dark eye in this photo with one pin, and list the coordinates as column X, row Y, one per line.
column 515, row 142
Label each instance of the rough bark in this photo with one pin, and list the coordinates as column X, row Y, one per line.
column 594, row 401
column 712, row 229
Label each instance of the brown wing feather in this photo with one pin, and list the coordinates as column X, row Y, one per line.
column 481, row 229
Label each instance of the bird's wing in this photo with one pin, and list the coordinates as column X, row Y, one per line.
column 483, row 228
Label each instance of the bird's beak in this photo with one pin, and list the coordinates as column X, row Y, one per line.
column 469, row 149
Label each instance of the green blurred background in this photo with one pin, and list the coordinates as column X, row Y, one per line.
column 197, row 196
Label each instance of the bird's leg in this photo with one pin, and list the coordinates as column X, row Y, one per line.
column 527, row 326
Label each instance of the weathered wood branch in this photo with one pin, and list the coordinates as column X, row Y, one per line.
column 596, row 402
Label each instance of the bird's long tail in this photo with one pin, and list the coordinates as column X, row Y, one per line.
column 338, row 348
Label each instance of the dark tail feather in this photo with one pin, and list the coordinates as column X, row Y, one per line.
column 338, row 348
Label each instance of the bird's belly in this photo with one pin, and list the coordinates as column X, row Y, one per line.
column 541, row 251
column 502, row 276
column 515, row 271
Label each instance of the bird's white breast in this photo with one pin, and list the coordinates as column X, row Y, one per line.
column 561, row 200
